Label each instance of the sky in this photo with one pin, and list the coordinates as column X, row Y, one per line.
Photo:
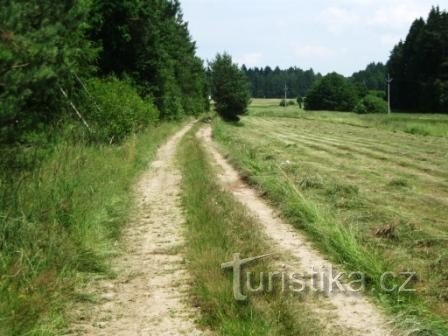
column 326, row 35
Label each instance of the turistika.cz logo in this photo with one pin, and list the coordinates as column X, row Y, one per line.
column 327, row 280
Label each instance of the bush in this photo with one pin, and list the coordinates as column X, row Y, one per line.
column 333, row 93
column 371, row 104
column 286, row 103
column 230, row 88
column 378, row 93
column 114, row 109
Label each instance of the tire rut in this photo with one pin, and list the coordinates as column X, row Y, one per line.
column 150, row 293
column 353, row 312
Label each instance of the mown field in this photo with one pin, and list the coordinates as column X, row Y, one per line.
column 371, row 191
column 415, row 123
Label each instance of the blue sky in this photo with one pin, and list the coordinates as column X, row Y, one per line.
column 327, row 35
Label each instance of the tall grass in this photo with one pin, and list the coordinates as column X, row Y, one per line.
column 59, row 222
column 217, row 227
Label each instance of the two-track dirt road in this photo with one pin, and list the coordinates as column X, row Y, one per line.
column 149, row 295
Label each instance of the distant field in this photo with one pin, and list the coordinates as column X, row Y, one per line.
column 415, row 123
column 340, row 176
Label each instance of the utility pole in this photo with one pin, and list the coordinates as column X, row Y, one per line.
column 389, row 81
column 286, row 89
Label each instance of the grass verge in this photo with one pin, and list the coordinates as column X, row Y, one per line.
column 59, row 222
column 217, row 227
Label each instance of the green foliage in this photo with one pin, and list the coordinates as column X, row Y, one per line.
column 300, row 101
column 371, row 104
column 378, row 93
column 229, row 88
column 46, row 48
column 150, row 42
column 284, row 102
column 419, row 66
column 372, row 78
column 361, row 89
column 270, row 83
column 115, row 109
column 64, row 197
column 42, row 48
column 333, row 93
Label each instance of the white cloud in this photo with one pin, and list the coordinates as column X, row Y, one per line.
column 344, row 15
column 312, row 51
column 249, row 59
column 389, row 40
column 337, row 20
column 354, row 2
column 397, row 15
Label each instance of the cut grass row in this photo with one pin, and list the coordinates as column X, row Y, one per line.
column 217, row 227
column 413, row 123
column 59, row 223
column 340, row 216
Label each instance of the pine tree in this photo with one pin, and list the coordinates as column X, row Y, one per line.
column 42, row 50
column 149, row 41
column 230, row 89
column 418, row 65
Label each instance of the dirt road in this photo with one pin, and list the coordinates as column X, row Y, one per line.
column 149, row 295
column 354, row 312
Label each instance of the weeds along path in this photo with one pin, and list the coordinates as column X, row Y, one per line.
column 352, row 312
column 149, row 295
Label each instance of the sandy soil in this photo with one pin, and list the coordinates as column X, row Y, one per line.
column 351, row 312
column 149, row 295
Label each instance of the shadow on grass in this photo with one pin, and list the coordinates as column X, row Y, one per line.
column 234, row 123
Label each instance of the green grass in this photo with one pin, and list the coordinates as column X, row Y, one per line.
column 217, row 227
column 412, row 123
column 371, row 199
column 59, row 222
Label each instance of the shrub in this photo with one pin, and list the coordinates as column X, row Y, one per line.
column 114, row 109
column 333, row 93
column 284, row 102
column 230, row 88
column 378, row 93
column 371, row 104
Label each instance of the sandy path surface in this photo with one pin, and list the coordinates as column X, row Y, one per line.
column 149, row 295
column 352, row 312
